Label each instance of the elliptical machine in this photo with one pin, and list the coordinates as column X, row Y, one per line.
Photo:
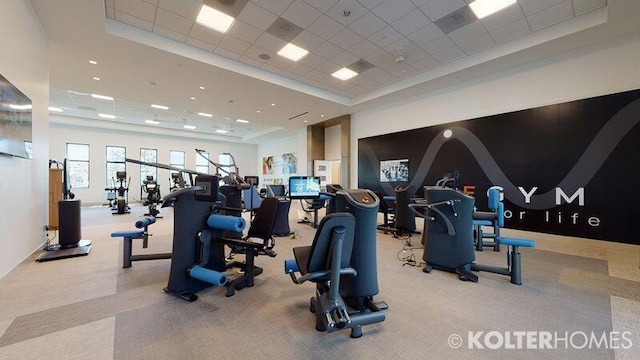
column 152, row 189
column 120, row 205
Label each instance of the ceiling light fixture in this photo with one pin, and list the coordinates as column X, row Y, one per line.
column 102, row 97
column 107, row 116
column 483, row 8
column 93, row 62
column 192, row 98
column 55, row 109
column 344, row 74
column 201, row 88
column 220, row 131
column 273, row 104
column 190, row 127
column 258, row 111
column 214, row 19
column 242, row 121
column 96, row 78
column 205, row 114
column 293, row 52
column 153, row 122
column 161, row 107
column 321, row 115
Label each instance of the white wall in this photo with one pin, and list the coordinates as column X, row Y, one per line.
column 603, row 69
column 292, row 144
column 24, row 184
column 244, row 154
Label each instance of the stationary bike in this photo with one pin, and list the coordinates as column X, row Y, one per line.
column 152, row 189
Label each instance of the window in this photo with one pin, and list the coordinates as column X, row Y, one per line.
column 78, row 165
column 115, row 162
column 176, row 159
column 150, row 156
column 202, row 164
column 225, row 162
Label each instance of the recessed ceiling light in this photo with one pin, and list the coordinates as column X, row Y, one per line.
column 292, row 52
column 214, row 19
column 273, row 104
column 258, row 111
column 55, row 109
column 220, row 131
column 96, row 78
column 107, row 116
column 192, row 98
column 484, row 8
column 447, row 133
column 344, row 74
column 242, row 121
column 305, row 121
column 190, row 127
column 93, row 62
column 322, row 115
column 102, row 97
column 201, row 88
column 205, row 114
column 153, row 122
column 20, row 107
column 161, row 107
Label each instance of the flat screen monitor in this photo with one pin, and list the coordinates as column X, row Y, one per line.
column 15, row 121
column 252, row 180
column 304, row 187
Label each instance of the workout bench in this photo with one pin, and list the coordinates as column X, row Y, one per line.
column 128, row 236
column 514, row 262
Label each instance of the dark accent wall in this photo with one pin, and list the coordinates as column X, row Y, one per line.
column 582, row 158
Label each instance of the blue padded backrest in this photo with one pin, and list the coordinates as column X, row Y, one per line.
column 494, row 199
column 500, row 213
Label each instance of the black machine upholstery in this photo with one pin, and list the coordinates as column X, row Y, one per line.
column 405, row 219
column 327, row 262
column 281, row 227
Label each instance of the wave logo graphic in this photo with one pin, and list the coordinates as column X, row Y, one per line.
column 582, row 172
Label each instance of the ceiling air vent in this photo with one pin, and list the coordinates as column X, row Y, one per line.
column 360, row 66
column 284, row 29
column 456, row 20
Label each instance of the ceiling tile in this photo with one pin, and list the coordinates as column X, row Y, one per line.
column 279, row 62
column 355, row 11
column 367, row 25
column 379, row 57
column 390, row 11
column 322, row 5
column 328, row 67
column 312, row 60
column 298, row 69
column 467, row 33
column 363, row 49
column 345, row 59
column 550, row 16
column 154, row 2
column 301, row 14
column 502, row 18
column 254, row 52
column 385, row 36
column 411, row 22
column 419, row 3
column 137, row 8
column 425, row 63
column 270, row 42
column 435, row 9
column 271, row 68
column 533, row 6
column 346, row 38
column 249, row 60
column 477, row 44
column 450, row 54
column 203, row 45
column 438, row 45
column 402, row 45
column 257, row 16
column 414, row 55
column 370, row 4
column 325, row 27
column 511, row 31
column 426, row 34
column 172, row 21
column 133, row 21
column 380, row 76
column 234, row 44
column 205, row 34
column 171, row 34
column 327, row 50
column 275, row 6
column 244, row 31
column 315, row 75
column 404, row 72
column 308, row 40
column 583, row 6
column 187, row 9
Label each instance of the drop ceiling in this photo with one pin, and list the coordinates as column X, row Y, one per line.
column 153, row 52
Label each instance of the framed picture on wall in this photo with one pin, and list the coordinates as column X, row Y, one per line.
column 394, row 170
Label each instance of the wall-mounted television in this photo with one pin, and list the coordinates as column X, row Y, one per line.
column 15, row 121
column 304, row 187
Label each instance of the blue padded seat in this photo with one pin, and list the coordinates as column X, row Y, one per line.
column 516, row 242
column 132, row 233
